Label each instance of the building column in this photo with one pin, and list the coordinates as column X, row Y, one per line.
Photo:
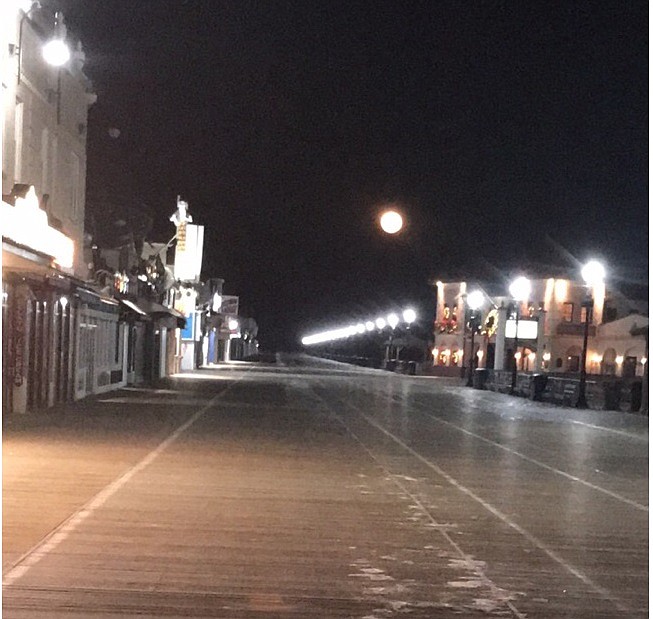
column 541, row 319
column 500, row 339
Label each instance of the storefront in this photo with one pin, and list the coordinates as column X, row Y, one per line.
column 38, row 315
column 37, row 332
column 99, row 350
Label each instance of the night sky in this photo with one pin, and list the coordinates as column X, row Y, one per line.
column 510, row 133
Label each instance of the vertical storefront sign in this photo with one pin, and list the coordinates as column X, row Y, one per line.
column 188, row 253
column 19, row 333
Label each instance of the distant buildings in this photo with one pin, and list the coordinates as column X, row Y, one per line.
column 551, row 329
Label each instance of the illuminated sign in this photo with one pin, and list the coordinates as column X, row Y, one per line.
column 190, row 244
column 189, row 329
column 181, row 236
column 527, row 329
column 188, row 254
column 27, row 224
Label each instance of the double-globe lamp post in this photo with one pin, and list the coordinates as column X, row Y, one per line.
column 593, row 274
column 520, row 289
column 392, row 321
column 474, row 302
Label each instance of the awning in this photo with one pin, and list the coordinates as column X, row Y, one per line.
column 166, row 316
column 38, row 274
column 134, row 308
column 97, row 301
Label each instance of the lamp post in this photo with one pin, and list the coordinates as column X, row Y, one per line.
column 593, row 274
column 393, row 321
column 474, row 302
column 57, row 53
column 519, row 291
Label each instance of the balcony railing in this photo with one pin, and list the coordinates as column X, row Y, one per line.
column 574, row 328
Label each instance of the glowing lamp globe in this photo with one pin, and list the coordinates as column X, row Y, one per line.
column 56, row 53
column 409, row 315
column 593, row 273
column 391, row 222
column 520, row 289
column 475, row 300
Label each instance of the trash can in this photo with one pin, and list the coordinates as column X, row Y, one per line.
column 412, row 368
column 635, row 396
column 611, row 395
column 480, row 378
column 537, row 386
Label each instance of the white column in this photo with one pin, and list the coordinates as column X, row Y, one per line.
column 500, row 339
column 541, row 319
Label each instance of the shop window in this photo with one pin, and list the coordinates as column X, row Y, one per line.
column 75, row 186
column 573, row 363
column 583, row 314
column 629, row 367
column 116, row 357
column 609, row 363
column 568, row 312
column 18, row 140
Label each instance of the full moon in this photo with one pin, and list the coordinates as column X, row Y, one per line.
column 391, row 222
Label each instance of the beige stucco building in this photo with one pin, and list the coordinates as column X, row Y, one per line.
column 551, row 329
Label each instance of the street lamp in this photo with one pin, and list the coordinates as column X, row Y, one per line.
column 592, row 273
column 55, row 52
column 519, row 291
column 393, row 321
column 474, row 303
column 409, row 316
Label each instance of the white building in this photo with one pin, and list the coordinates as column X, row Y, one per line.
column 45, row 117
column 54, row 329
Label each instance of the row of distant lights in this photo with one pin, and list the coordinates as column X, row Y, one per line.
column 391, row 320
